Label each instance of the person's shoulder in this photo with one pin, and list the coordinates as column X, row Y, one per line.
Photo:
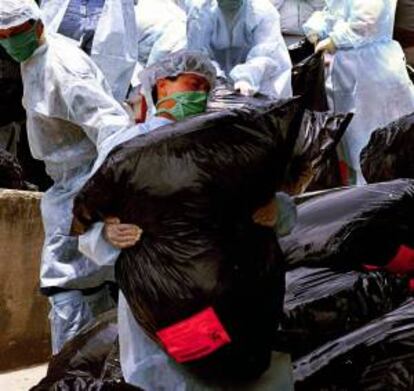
column 63, row 54
column 262, row 8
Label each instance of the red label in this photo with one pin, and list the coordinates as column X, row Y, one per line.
column 195, row 337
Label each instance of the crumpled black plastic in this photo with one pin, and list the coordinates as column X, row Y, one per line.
column 313, row 142
column 308, row 80
column 376, row 357
column 349, row 227
column 192, row 187
column 89, row 362
column 322, row 305
column 308, row 76
column 389, row 153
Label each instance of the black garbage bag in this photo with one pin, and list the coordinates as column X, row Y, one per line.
column 349, row 227
column 388, row 155
column 313, row 142
column 193, row 187
column 89, row 362
column 300, row 51
column 313, row 150
column 308, row 81
column 378, row 356
column 322, row 305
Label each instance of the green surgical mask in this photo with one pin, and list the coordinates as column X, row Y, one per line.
column 186, row 104
column 21, row 46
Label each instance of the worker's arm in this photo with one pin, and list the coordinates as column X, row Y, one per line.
column 104, row 241
column 362, row 25
column 91, row 106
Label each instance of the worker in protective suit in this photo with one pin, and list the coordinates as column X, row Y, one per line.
column 293, row 14
column 179, row 86
column 244, row 40
column 367, row 72
column 105, row 29
column 161, row 30
column 70, row 112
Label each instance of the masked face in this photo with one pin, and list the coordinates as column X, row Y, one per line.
column 187, row 104
column 230, row 5
column 21, row 45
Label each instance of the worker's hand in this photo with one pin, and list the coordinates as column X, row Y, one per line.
column 138, row 106
column 313, row 38
column 327, row 45
column 267, row 215
column 245, row 88
column 121, row 235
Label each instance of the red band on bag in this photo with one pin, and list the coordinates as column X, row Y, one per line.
column 195, row 337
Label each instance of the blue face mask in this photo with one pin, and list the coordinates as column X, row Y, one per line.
column 230, row 5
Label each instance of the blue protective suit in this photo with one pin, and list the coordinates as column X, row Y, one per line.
column 367, row 73
column 106, row 28
column 245, row 47
column 70, row 113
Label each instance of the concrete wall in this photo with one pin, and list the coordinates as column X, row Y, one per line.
column 24, row 328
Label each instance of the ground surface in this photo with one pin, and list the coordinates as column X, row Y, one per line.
column 23, row 379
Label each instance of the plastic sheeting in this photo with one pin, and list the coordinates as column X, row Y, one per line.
column 322, row 305
column 90, row 361
column 389, row 153
column 352, row 226
column 378, row 356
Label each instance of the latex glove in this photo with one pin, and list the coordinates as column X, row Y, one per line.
column 267, row 215
column 313, row 38
column 121, row 235
column 245, row 88
column 327, row 45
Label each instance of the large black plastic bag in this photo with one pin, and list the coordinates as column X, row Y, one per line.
column 322, row 305
column 314, row 146
column 313, row 139
column 389, row 153
column 193, row 187
column 353, row 226
column 89, row 362
column 376, row 357
column 308, row 81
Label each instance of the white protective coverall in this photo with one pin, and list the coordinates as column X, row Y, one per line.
column 114, row 47
column 246, row 48
column 70, row 112
column 367, row 73
column 161, row 30
column 293, row 14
